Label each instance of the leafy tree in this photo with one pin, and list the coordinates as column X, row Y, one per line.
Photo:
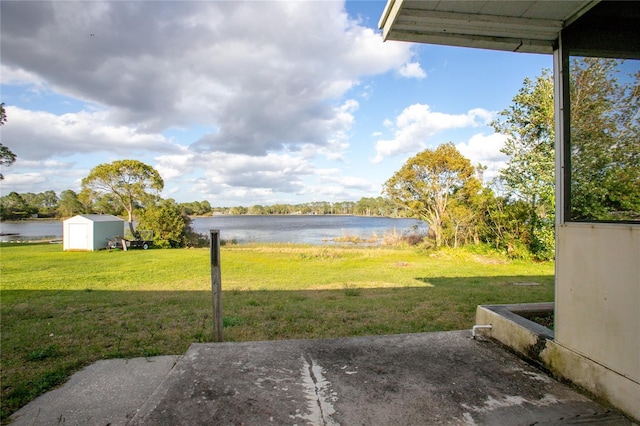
column 7, row 157
column 465, row 219
column 168, row 223
column 205, row 207
column 128, row 181
column 69, row 204
column 95, row 202
column 504, row 226
column 321, row 207
column 48, row 199
column 278, row 209
column 345, row 207
column 43, row 203
column 196, row 208
column 238, row 210
column 365, row 206
column 257, row 209
column 604, row 158
column 369, row 206
column 428, row 183
column 30, row 200
column 13, row 206
column 530, row 172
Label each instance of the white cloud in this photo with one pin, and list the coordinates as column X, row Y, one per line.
column 20, row 76
column 485, row 150
column 42, row 135
column 337, row 141
column 39, row 176
column 52, row 164
column 332, row 185
column 174, row 166
column 417, row 123
column 412, row 70
column 264, row 83
column 482, row 115
column 225, row 173
column 350, row 182
column 23, row 179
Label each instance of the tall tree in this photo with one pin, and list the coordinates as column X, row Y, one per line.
column 47, row 202
column 428, row 184
column 530, row 171
column 68, row 204
column 7, row 157
column 129, row 181
column 13, row 206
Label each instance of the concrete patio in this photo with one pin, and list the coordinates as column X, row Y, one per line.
column 410, row 379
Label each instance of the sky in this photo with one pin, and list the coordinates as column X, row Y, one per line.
column 239, row 102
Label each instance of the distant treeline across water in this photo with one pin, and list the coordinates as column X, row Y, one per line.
column 300, row 229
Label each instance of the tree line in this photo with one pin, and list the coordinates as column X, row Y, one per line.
column 366, row 206
column 17, row 206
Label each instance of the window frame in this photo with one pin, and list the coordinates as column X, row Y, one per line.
column 594, row 35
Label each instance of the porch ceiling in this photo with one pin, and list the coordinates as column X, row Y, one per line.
column 517, row 26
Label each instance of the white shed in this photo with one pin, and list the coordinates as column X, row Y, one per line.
column 89, row 232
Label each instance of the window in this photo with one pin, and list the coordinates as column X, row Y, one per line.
column 602, row 116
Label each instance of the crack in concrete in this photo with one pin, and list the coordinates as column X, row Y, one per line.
column 317, row 390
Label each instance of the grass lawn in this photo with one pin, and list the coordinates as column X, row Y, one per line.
column 61, row 311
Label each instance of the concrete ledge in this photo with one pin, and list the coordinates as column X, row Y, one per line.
column 514, row 331
column 536, row 344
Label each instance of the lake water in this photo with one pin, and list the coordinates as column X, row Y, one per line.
column 243, row 229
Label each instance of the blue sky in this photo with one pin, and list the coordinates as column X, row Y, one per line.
column 240, row 103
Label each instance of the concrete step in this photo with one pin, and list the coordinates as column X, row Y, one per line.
column 108, row 392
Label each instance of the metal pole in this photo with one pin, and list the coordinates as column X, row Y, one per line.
column 216, row 285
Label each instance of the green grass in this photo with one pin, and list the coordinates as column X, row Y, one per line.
column 61, row 311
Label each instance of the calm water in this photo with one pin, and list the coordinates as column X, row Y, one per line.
column 31, row 230
column 243, row 229
column 300, row 229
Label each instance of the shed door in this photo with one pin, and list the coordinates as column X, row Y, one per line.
column 79, row 236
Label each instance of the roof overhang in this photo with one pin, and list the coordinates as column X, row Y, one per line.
column 516, row 26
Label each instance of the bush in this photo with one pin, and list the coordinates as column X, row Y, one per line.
column 543, row 244
column 170, row 227
column 195, row 239
column 409, row 238
column 161, row 244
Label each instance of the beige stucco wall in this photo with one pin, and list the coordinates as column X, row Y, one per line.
column 598, row 294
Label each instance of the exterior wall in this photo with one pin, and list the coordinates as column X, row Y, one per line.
column 106, row 230
column 606, row 384
column 598, row 300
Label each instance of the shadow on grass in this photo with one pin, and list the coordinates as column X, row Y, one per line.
column 48, row 335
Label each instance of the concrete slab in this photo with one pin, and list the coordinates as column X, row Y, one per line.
column 107, row 392
column 413, row 379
